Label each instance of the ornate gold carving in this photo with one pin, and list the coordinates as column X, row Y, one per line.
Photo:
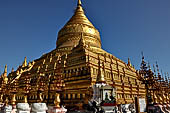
column 57, row 100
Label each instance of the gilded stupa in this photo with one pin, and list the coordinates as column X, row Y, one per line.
column 73, row 68
column 69, row 35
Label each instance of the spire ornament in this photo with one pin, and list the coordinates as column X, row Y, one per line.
column 12, row 70
column 149, row 66
column 157, row 66
column 79, row 3
column 129, row 62
column 82, row 41
column 100, row 77
column 5, row 70
column 154, row 69
column 25, row 62
column 143, row 67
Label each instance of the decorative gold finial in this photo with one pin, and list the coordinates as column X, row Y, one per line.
column 79, row 2
column 157, row 67
column 25, row 62
column 57, row 100
column 100, row 76
column 25, row 99
column 29, row 64
column 12, row 70
column 149, row 66
column 13, row 101
column 5, row 70
column 143, row 56
column 129, row 62
column 82, row 41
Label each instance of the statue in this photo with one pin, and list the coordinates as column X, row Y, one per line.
column 106, row 97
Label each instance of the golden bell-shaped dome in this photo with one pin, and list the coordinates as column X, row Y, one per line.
column 69, row 35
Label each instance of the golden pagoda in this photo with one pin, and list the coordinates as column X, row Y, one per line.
column 72, row 69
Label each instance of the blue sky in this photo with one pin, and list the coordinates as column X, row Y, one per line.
column 127, row 27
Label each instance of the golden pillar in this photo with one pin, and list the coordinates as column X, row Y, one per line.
column 13, row 101
column 25, row 99
column 40, row 97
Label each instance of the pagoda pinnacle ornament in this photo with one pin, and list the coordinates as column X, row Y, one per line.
column 69, row 36
column 79, row 2
column 25, row 62
column 129, row 62
column 100, row 77
column 12, row 70
column 82, row 42
column 5, row 75
column 5, row 70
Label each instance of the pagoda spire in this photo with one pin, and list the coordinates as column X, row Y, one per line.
column 129, row 62
column 5, row 78
column 166, row 78
column 154, row 69
column 143, row 56
column 79, row 8
column 157, row 66
column 143, row 63
column 25, row 62
column 149, row 66
column 162, row 75
column 12, row 70
column 79, row 3
column 5, row 70
column 78, row 22
column 100, row 76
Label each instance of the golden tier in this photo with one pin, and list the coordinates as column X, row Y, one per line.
column 69, row 35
